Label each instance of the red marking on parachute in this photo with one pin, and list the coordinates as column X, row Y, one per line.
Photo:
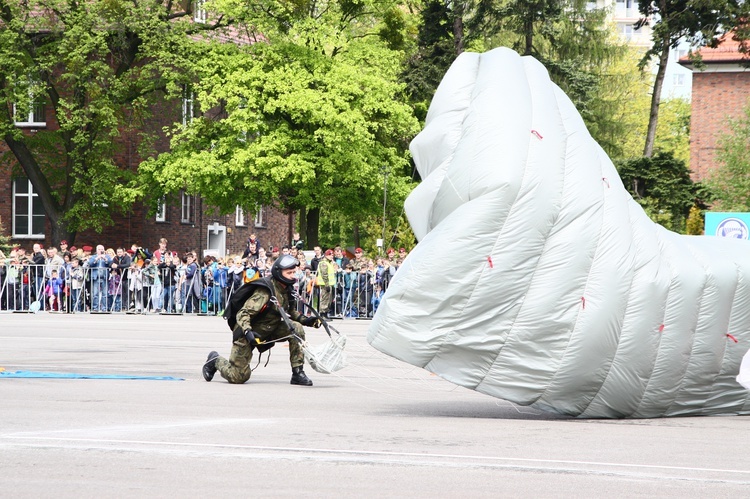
column 489, row 260
column 661, row 328
column 606, row 181
column 732, row 338
column 537, row 134
column 583, row 301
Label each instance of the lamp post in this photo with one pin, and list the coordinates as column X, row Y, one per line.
column 385, row 201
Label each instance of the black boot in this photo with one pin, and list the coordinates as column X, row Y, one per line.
column 299, row 377
column 209, row 368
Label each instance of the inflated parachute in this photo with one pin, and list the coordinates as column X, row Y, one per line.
column 539, row 280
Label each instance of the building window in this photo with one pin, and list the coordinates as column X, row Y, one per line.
column 28, row 214
column 188, row 107
column 33, row 117
column 161, row 211
column 679, row 80
column 187, row 208
column 239, row 217
column 260, row 216
column 199, row 11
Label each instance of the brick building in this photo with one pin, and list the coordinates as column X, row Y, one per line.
column 720, row 91
column 186, row 221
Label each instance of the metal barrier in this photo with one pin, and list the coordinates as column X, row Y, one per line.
column 167, row 289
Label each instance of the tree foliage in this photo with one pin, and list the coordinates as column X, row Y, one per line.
column 311, row 119
column 663, row 187
column 101, row 66
column 700, row 22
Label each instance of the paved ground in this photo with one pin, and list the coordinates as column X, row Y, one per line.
column 379, row 429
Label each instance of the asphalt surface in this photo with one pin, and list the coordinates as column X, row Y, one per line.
column 378, row 428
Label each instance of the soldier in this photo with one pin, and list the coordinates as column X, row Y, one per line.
column 257, row 321
column 326, row 279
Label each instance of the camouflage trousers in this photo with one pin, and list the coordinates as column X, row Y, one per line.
column 237, row 369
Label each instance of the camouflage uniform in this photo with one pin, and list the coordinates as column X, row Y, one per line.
column 270, row 326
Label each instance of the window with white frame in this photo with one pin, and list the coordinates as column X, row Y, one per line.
column 28, row 213
column 33, row 117
column 239, row 217
column 679, row 80
column 188, row 108
column 187, row 208
column 161, row 211
column 199, row 11
column 260, row 216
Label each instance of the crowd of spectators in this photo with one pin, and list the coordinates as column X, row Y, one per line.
column 136, row 280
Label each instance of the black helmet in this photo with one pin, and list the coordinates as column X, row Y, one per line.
column 284, row 262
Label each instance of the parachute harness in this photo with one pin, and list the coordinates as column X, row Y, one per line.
column 326, row 358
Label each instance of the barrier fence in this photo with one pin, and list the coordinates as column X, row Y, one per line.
column 169, row 290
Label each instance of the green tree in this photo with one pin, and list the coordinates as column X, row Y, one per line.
column 101, row 66
column 310, row 120
column 434, row 54
column 4, row 240
column 701, row 22
column 663, row 187
column 730, row 182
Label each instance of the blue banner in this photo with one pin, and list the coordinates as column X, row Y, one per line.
column 728, row 224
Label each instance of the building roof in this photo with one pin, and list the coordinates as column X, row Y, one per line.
column 728, row 52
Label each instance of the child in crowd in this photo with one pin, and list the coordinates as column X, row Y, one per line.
column 76, row 284
column 53, row 291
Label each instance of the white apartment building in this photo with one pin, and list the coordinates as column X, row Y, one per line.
column 625, row 14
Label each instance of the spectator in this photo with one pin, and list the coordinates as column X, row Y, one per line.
column 377, row 295
column 339, row 257
column 251, row 252
column 38, row 260
column 151, row 287
column 297, row 243
column 64, row 248
column 253, row 239
column 121, row 264
column 76, row 285
column 168, row 273
column 402, row 254
column 114, row 290
column 191, row 286
column 99, row 265
column 53, row 291
column 135, row 286
column 159, row 254
column 326, row 279
column 317, row 257
column 262, row 262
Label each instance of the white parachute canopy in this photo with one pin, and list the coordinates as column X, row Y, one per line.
column 538, row 279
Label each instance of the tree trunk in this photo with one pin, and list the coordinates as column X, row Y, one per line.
column 528, row 28
column 313, row 227
column 52, row 209
column 60, row 232
column 653, row 118
column 303, row 226
column 458, row 28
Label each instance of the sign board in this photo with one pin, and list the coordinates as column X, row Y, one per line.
column 728, row 224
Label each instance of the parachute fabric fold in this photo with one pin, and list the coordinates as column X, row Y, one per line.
column 538, row 279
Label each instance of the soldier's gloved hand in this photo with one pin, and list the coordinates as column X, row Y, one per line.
column 311, row 321
column 252, row 337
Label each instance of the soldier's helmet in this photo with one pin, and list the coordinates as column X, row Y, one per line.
column 284, row 262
